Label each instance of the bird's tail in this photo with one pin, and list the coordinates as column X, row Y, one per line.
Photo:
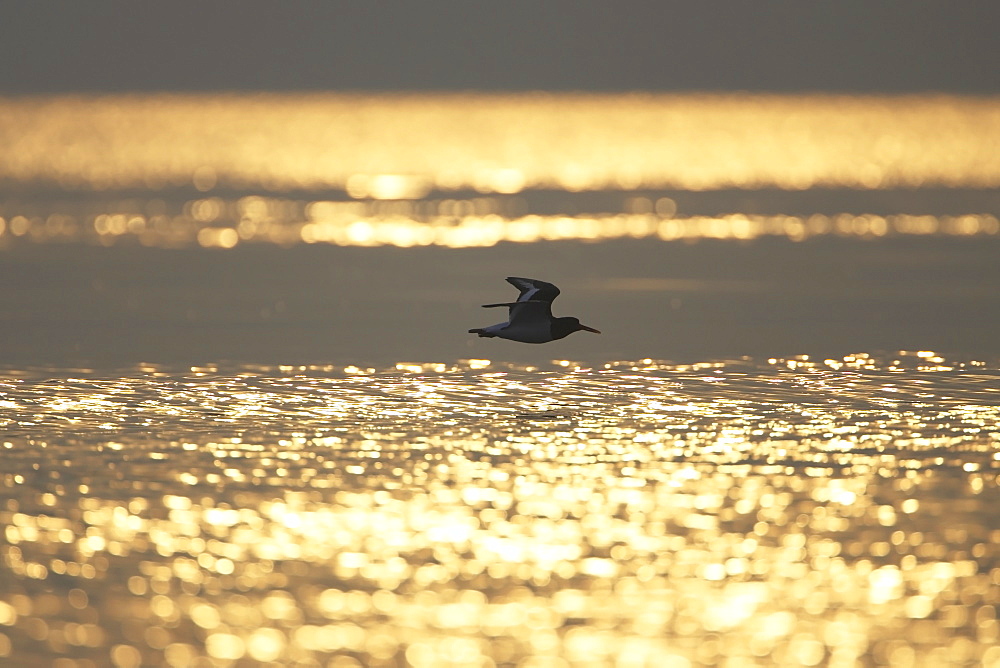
column 517, row 303
column 481, row 332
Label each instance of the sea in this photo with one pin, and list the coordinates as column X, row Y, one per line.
column 242, row 422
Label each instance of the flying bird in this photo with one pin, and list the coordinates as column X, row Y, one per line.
column 530, row 319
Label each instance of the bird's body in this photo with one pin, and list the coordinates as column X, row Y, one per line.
column 530, row 319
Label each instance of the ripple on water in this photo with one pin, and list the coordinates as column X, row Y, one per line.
column 759, row 512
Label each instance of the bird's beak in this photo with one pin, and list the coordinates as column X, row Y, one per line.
column 589, row 329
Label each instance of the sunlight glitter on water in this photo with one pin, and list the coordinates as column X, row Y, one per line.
column 393, row 146
column 476, row 222
column 744, row 512
column 217, row 171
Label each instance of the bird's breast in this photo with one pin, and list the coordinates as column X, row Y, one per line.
column 533, row 333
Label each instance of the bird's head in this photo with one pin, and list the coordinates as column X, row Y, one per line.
column 566, row 326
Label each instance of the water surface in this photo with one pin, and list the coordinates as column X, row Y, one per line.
column 747, row 512
column 242, row 423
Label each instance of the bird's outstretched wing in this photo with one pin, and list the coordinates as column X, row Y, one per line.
column 533, row 290
column 534, row 304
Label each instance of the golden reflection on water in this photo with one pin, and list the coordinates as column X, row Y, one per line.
column 455, row 170
column 403, row 146
column 216, row 222
column 790, row 512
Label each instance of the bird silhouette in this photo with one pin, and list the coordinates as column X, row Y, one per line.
column 530, row 319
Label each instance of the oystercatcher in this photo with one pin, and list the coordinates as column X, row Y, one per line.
column 530, row 319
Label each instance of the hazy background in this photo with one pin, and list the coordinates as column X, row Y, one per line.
column 71, row 304
column 778, row 46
